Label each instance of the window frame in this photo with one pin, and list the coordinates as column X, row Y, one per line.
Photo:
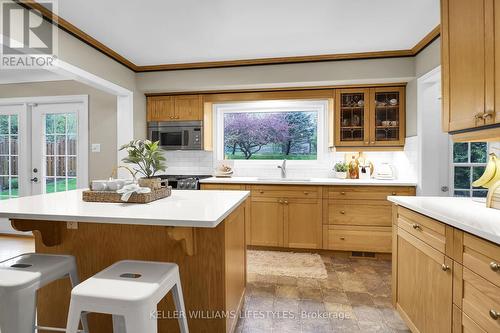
column 319, row 106
column 465, row 164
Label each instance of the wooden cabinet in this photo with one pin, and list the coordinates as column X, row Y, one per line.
column 286, row 216
column 370, row 117
column 358, row 218
column 424, row 292
column 174, row 108
column 470, row 45
column 444, row 279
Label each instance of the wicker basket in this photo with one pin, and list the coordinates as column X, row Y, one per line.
column 106, row 196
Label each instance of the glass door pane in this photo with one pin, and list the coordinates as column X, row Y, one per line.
column 387, row 117
column 9, row 156
column 60, row 152
column 352, row 117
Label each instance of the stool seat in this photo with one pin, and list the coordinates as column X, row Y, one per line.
column 20, row 278
column 128, row 281
column 31, row 269
column 130, row 291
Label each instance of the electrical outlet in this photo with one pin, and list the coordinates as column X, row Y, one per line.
column 72, row 225
column 96, row 148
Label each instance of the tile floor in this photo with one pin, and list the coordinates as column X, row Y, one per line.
column 356, row 297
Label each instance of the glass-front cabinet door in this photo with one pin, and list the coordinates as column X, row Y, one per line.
column 387, row 121
column 352, row 117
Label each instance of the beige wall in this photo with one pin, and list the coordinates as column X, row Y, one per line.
column 102, row 117
column 425, row 61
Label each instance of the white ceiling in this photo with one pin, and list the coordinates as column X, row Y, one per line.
column 151, row 32
column 28, row 75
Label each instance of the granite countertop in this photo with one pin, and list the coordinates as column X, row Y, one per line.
column 183, row 208
column 462, row 213
column 307, row 181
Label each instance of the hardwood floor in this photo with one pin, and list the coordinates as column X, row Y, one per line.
column 12, row 246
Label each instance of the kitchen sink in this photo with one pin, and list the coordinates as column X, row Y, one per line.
column 284, row 180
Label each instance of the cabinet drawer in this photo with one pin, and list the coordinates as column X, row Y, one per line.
column 362, row 214
column 481, row 301
column 284, row 191
column 367, row 192
column 353, row 238
column 469, row 326
column 482, row 257
column 426, row 229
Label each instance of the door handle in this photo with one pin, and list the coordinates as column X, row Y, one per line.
column 34, row 180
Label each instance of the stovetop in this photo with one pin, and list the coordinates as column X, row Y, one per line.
column 184, row 182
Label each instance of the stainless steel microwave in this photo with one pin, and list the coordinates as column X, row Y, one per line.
column 179, row 135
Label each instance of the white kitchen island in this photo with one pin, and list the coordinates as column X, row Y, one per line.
column 203, row 232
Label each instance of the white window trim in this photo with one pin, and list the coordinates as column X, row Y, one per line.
column 467, row 164
column 320, row 106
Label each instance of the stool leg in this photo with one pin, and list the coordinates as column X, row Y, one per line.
column 74, row 316
column 18, row 311
column 75, row 280
column 141, row 321
column 179, row 305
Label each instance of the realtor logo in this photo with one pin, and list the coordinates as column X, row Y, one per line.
column 28, row 39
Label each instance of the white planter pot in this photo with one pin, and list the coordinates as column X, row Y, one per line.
column 340, row 175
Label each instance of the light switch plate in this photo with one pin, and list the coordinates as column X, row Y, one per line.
column 96, row 148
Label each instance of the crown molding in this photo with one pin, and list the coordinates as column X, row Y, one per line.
column 89, row 40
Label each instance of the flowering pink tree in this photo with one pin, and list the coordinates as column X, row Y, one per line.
column 249, row 132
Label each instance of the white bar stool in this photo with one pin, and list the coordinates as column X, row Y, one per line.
column 130, row 291
column 20, row 278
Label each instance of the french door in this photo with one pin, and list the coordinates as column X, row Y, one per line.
column 43, row 148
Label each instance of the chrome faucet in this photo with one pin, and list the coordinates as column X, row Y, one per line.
column 283, row 169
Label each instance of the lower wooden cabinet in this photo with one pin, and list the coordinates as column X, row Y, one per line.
column 444, row 279
column 266, row 222
column 424, row 287
column 302, row 223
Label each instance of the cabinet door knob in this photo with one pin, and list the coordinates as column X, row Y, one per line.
column 343, row 193
column 488, row 114
column 373, row 142
column 342, row 238
column 495, row 267
column 342, row 212
column 445, row 267
column 280, row 201
column 394, row 193
column 416, row 226
column 494, row 314
column 286, row 202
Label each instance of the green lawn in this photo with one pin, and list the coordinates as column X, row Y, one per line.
column 50, row 187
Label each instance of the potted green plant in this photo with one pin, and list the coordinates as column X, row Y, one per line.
column 147, row 159
column 341, row 170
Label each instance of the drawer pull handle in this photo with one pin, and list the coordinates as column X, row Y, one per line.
column 494, row 314
column 306, row 193
column 342, row 238
column 286, row 202
column 280, row 201
column 495, row 267
column 261, row 191
column 416, row 226
column 342, row 212
column 445, row 267
column 394, row 193
column 343, row 193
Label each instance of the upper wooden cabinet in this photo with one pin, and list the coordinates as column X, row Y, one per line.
column 470, row 42
column 174, row 108
column 370, row 117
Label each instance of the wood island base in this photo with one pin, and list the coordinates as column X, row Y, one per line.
column 212, row 264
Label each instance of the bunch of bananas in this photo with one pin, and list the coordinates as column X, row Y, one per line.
column 491, row 174
column 491, row 180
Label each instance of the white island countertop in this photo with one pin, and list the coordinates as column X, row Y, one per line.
column 306, row 181
column 182, row 209
column 462, row 213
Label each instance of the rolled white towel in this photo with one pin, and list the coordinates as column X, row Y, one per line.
column 127, row 191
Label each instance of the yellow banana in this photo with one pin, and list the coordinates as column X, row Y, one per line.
column 493, row 199
column 496, row 177
column 489, row 172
